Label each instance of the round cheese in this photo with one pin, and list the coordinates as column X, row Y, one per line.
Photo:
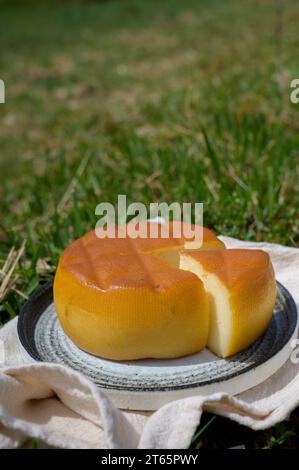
column 126, row 298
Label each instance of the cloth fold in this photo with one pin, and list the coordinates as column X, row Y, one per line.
column 64, row 409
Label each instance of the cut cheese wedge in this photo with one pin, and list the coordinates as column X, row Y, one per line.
column 126, row 298
column 241, row 288
column 134, row 298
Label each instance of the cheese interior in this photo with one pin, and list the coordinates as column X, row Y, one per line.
column 220, row 312
column 219, row 306
column 239, row 312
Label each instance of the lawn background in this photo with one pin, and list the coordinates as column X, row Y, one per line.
column 183, row 101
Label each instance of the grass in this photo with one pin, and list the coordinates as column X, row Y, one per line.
column 181, row 101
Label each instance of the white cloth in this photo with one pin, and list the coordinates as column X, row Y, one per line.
column 64, row 409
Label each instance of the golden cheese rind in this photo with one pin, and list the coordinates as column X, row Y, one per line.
column 242, row 292
column 134, row 323
column 123, row 298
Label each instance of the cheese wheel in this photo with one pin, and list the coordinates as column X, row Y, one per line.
column 126, row 298
column 241, row 288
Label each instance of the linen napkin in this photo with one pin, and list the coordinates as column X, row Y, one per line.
column 64, row 409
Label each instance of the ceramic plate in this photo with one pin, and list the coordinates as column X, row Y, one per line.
column 148, row 384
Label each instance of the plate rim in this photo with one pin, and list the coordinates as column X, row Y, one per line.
column 45, row 293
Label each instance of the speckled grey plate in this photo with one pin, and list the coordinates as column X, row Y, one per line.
column 148, row 384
